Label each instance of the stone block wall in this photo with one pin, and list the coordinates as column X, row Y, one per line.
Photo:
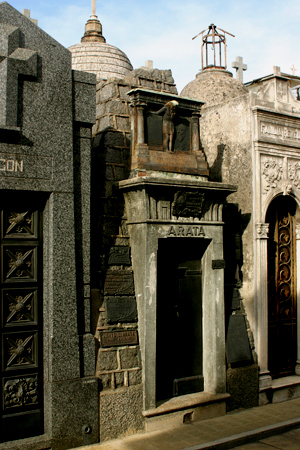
column 118, row 367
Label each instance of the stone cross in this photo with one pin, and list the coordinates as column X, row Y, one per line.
column 240, row 67
column 26, row 13
column 293, row 69
column 93, row 8
column 276, row 71
column 149, row 64
column 14, row 61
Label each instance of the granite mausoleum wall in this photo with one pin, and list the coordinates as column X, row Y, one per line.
column 47, row 112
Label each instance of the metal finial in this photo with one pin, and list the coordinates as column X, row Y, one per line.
column 215, row 38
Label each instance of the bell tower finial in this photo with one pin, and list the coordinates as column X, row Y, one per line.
column 93, row 28
column 217, row 59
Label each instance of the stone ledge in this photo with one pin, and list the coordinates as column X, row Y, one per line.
column 185, row 409
column 185, row 401
column 281, row 389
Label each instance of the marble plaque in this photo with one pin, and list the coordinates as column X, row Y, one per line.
column 237, row 342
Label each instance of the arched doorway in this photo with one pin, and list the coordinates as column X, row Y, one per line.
column 282, row 301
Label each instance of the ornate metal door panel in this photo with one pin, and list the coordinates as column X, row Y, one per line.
column 281, row 288
column 21, row 325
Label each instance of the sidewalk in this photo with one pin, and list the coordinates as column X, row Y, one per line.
column 219, row 433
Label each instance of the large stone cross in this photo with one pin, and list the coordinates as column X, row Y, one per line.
column 239, row 66
column 14, row 61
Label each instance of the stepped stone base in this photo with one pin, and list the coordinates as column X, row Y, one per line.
column 282, row 389
column 185, row 409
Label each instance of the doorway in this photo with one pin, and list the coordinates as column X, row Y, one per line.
column 179, row 345
column 21, row 346
column 282, row 301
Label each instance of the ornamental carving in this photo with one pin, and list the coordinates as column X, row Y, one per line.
column 188, row 204
column 20, row 351
column 19, row 308
column 294, row 173
column 20, row 223
column 20, row 392
column 297, row 231
column 272, row 172
column 19, row 263
column 262, row 230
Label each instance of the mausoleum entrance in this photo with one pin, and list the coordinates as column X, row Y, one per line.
column 282, row 294
column 179, row 345
column 21, row 315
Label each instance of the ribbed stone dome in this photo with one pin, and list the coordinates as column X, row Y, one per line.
column 94, row 55
column 103, row 59
column 214, row 86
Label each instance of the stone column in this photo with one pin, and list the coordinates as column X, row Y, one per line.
column 140, row 123
column 297, row 259
column 262, row 230
column 195, row 131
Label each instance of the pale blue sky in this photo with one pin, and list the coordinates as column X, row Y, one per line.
column 267, row 33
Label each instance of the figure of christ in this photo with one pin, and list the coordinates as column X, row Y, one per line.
column 168, row 112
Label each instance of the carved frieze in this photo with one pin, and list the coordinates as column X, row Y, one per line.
column 188, row 204
column 294, row 173
column 271, row 170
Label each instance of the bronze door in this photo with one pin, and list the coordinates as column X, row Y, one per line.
column 282, row 311
column 179, row 348
column 21, row 321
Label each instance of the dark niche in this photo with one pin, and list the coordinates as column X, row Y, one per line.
column 121, row 309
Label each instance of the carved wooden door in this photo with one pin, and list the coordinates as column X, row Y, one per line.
column 282, row 313
column 21, row 320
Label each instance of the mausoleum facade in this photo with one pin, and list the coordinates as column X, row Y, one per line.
column 149, row 240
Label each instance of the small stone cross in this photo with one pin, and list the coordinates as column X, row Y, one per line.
column 14, row 61
column 240, row 67
column 26, row 13
column 293, row 69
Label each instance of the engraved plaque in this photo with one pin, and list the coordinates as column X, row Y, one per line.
column 188, row 204
column 118, row 338
column 237, row 342
column 119, row 255
column 218, row 264
column 119, row 282
column 121, row 309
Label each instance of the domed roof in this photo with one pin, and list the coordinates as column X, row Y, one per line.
column 214, row 86
column 94, row 55
column 105, row 60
